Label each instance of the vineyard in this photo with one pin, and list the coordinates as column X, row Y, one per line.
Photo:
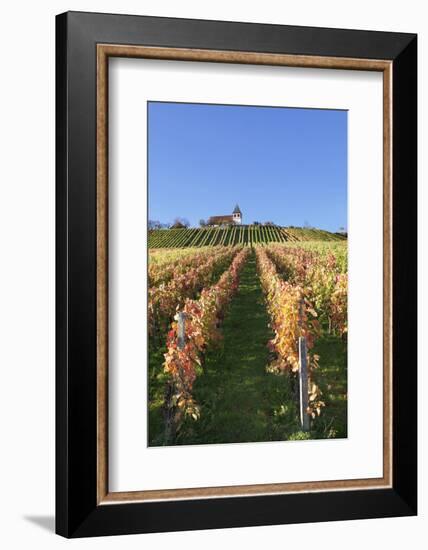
column 238, row 235
column 225, row 325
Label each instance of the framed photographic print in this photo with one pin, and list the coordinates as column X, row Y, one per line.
column 236, row 274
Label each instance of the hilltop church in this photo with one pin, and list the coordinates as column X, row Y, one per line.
column 229, row 219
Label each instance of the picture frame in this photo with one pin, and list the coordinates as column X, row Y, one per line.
column 84, row 44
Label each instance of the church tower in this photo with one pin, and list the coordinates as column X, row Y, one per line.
column 237, row 215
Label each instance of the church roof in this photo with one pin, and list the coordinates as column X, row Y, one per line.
column 236, row 210
column 220, row 219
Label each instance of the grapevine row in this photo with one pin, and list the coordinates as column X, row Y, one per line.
column 163, row 300
column 232, row 235
column 162, row 272
column 292, row 316
column 202, row 320
column 322, row 274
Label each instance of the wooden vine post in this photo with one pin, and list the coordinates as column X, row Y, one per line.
column 303, row 384
column 181, row 329
column 303, row 377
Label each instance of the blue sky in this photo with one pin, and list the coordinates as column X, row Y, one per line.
column 283, row 165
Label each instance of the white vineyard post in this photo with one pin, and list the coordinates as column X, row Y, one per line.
column 303, row 384
column 170, row 420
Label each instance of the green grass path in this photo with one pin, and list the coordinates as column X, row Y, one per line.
column 240, row 401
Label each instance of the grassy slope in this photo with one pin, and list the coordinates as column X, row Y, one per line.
column 240, row 401
column 331, row 377
column 232, row 235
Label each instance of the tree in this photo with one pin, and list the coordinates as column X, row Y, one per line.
column 180, row 223
column 202, row 223
column 154, row 224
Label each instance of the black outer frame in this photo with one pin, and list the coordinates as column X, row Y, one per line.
column 77, row 513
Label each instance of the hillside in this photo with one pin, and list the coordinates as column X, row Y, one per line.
column 247, row 235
